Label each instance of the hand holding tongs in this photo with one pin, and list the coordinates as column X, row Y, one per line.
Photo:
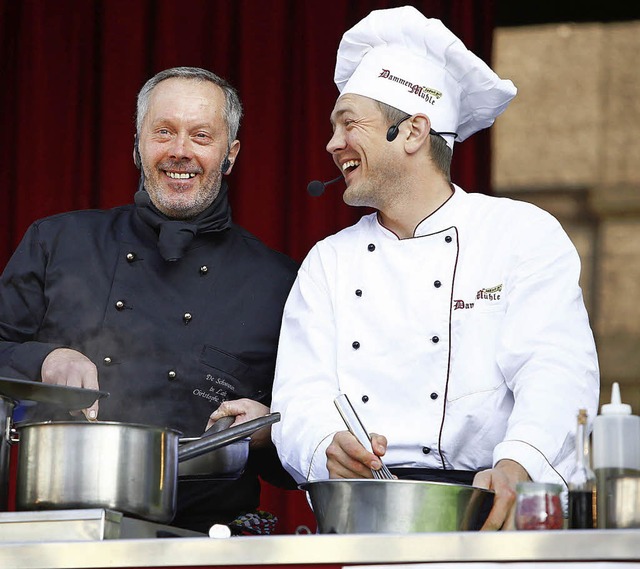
column 356, row 428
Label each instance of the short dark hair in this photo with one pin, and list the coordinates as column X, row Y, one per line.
column 232, row 107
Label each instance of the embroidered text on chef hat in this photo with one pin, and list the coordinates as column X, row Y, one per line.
column 415, row 64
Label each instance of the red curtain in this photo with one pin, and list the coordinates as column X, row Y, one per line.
column 70, row 71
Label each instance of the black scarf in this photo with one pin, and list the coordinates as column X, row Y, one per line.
column 175, row 236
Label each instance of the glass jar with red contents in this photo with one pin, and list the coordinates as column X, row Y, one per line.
column 538, row 506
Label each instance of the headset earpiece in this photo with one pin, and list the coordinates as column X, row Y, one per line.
column 392, row 132
column 394, row 129
column 136, row 153
column 226, row 164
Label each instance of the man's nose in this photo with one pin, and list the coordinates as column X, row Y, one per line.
column 181, row 146
column 336, row 142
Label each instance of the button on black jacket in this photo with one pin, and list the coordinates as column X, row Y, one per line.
column 171, row 340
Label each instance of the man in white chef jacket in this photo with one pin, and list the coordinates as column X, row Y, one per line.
column 454, row 322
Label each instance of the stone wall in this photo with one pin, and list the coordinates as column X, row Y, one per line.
column 570, row 142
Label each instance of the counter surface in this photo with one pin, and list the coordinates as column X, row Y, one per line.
column 332, row 550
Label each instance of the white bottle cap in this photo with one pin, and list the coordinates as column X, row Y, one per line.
column 615, row 407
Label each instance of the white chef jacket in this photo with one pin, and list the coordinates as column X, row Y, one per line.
column 464, row 345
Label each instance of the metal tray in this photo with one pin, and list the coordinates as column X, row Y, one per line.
column 72, row 398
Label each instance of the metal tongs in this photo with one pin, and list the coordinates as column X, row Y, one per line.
column 356, row 428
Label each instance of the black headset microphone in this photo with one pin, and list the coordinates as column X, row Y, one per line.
column 138, row 162
column 317, row 188
column 394, row 129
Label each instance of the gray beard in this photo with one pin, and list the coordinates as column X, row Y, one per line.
column 176, row 209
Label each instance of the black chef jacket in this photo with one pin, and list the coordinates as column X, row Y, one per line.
column 171, row 340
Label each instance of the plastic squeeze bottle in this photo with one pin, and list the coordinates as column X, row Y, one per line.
column 616, row 449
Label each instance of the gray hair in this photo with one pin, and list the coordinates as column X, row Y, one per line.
column 232, row 106
column 440, row 153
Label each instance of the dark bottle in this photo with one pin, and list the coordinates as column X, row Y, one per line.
column 582, row 483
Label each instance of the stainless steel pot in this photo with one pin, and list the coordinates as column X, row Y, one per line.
column 397, row 506
column 13, row 391
column 227, row 462
column 120, row 466
column 7, row 406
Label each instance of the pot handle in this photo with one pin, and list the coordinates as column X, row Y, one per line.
column 225, row 437
column 13, row 436
column 220, row 425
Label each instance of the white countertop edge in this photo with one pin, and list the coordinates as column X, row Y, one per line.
column 560, row 545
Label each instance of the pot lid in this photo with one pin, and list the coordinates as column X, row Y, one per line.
column 71, row 398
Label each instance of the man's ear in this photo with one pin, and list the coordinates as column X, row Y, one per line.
column 136, row 153
column 231, row 157
column 416, row 133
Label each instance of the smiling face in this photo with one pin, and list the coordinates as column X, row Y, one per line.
column 370, row 164
column 183, row 142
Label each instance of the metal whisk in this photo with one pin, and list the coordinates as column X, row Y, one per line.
column 356, row 428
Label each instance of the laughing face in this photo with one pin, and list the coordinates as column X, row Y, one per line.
column 370, row 165
column 183, row 142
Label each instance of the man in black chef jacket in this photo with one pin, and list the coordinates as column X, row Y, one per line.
column 166, row 303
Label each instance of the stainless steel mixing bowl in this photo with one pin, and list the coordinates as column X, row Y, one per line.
column 397, row 506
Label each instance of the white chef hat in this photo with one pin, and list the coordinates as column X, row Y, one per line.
column 415, row 64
